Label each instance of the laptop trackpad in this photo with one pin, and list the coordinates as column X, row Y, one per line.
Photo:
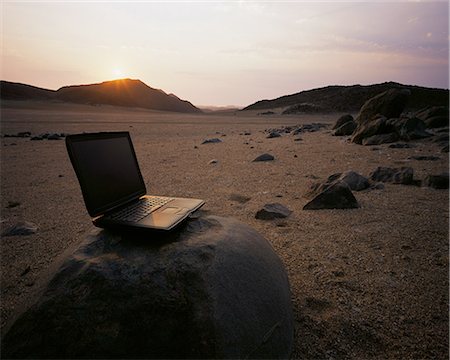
column 170, row 210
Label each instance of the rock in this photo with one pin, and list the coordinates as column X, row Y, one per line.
column 264, row 157
column 239, row 198
column 342, row 120
column 380, row 139
column 336, row 196
column 434, row 116
column 12, row 204
column 410, row 128
column 346, row 129
column 401, row 146
column 444, row 149
column 213, row 161
column 424, row 158
column 21, row 228
column 403, row 175
column 273, row 211
column 355, row 181
column 442, row 138
column 213, row 289
column 212, row 141
column 437, row 181
column 54, row 136
column 390, row 104
column 37, row 137
column 302, row 108
column 370, row 128
column 273, row 134
column 298, row 139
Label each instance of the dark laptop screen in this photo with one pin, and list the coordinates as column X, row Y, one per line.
column 107, row 169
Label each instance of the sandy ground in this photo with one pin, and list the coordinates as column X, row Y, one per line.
column 366, row 283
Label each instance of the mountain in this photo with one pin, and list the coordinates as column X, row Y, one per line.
column 17, row 91
column 349, row 98
column 124, row 92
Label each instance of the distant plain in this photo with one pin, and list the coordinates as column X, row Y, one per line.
column 366, row 283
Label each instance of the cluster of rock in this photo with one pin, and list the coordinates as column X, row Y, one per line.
column 303, row 108
column 381, row 120
column 336, row 191
column 44, row 136
column 294, row 129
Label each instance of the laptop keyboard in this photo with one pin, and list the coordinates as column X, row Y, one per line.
column 139, row 210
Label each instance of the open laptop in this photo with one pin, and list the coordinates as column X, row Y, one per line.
column 113, row 188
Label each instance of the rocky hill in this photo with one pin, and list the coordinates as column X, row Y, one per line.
column 349, row 98
column 124, row 92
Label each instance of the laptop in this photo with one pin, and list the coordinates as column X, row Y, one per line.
column 113, row 187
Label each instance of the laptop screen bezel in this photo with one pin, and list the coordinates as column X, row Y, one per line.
column 92, row 210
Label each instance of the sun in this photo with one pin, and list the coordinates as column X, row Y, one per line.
column 118, row 73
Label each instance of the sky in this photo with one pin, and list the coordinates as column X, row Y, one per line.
column 226, row 53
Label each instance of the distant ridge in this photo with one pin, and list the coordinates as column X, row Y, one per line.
column 123, row 92
column 350, row 98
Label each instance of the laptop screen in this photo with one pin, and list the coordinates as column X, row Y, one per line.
column 107, row 169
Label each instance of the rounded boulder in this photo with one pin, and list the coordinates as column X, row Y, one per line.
column 214, row 288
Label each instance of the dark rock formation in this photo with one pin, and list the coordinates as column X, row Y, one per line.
column 424, row 157
column 380, row 139
column 403, row 175
column 342, row 120
column 21, row 228
column 434, row 116
column 212, row 141
column 273, row 211
column 389, row 104
column 337, row 196
column 437, row 181
column 353, row 180
column 346, row 129
column 264, row 157
column 273, row 134
column 213, row 289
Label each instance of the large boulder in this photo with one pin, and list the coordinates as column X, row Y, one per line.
column 342, row 120
column 376, row 126
column 434, row 116
column 390, row 104
column 213, row 289
column 345, row 129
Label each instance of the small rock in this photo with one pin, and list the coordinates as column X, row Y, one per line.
column 298, row 139
column 354, row 180
column 213, row 161
column 401, row 146
column 264, row 157
column 437, row 181
column 21, row 228
column 239, row 198
column 37, row 137
column 444, row 149
column 54, row 136
column 273, row 134
column 12, row 204
column 273, row 211
column 25, row 271
column 212, row 141
column 336, row 196
column 424, row 158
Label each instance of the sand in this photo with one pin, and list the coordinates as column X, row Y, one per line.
column 366, row 283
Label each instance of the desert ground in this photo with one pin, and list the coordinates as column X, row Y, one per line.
column 367, row 283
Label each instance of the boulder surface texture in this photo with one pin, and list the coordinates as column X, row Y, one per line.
column 215, row 288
